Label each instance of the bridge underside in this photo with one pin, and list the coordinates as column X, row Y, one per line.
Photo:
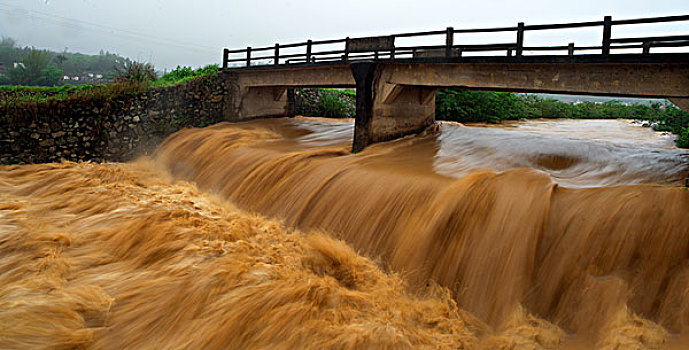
column 398, row 98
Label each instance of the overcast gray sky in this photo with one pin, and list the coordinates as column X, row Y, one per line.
column 184, row 32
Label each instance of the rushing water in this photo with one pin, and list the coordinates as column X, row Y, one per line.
column 545, row 235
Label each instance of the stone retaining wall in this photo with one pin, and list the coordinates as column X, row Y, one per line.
column 107, row 129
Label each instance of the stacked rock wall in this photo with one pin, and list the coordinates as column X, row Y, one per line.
column 102, row 128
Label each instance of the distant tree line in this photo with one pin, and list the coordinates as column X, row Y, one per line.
column 34, row 67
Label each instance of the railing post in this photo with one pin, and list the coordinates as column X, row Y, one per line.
column 607, row 32
column 520, row 38
column 647, row 47
column 509, row 52
column 392, row 49
column 346, row 52
column 276, row 60
column 225, row 57
column 248, row 56
column 375, row 55
column 570, row 49
column 308, row 50
column 449, row 39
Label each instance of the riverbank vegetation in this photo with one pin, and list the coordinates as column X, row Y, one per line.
column 466, row 106
column 328, row 103
column 181, row 75
column 493, row 107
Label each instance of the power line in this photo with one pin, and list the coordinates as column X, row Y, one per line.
column 112, row 30
column 53, row 17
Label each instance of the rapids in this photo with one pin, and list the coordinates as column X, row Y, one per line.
column 118, row 256
column 592, row 236
column 464, row 237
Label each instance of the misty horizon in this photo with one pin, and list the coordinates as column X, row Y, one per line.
column 179, row 33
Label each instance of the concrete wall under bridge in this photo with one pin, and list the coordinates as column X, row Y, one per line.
column 398, row 98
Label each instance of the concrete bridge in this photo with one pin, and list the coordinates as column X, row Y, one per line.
column 396, row 85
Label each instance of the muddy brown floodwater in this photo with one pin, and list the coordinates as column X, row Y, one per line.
column 531, row 235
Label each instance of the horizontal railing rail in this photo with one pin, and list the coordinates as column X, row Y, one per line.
column 384, row 48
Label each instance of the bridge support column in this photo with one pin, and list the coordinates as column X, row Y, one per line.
column 386, row 111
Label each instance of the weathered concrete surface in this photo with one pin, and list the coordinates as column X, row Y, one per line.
column 682, row 103
column 665, row 80
column 263, row 92
column 259, row 101
column 387, row 111
column 364, row 74
column 401, row 110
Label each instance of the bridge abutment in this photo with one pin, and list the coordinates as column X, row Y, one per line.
column 386, row 111
column 682, row 103
column 258, row 102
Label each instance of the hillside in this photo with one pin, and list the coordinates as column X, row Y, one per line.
column 35, row 67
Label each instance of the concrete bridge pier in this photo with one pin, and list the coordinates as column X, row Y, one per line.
column 386, row 111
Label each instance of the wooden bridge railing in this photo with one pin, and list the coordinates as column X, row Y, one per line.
column 383, row 47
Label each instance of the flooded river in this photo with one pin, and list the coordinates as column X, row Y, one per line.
column 530, row 235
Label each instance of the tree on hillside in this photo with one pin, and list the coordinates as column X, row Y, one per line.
column 9, row 53
column 60, row 59
column 36, row 68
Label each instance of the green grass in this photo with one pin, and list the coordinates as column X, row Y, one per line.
column 23, row 109
column 43, row 92
column 346, row 92
column 23, row 96
column 44, row 89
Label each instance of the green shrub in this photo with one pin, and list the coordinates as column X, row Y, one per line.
column 177, row 74
column 136, row 72
column 478, row 106
column 184, row 74
column 209, row 69
column 333, row 105
column 683, row 138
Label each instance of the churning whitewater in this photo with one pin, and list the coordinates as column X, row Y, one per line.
column 272, row 235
